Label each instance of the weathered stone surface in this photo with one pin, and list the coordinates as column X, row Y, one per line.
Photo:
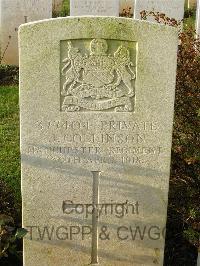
column 94, row 7
column 172, row 8
column 96, row 94
column 14, row 13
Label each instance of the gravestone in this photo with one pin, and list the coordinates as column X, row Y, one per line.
column 14, row 13
column 96, row 104
column 171, row 8
column 94, row 7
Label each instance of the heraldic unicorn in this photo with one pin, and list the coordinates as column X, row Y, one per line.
column 98, row 81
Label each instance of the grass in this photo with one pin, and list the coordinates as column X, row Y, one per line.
column 9, row 139
column 190, row 18
column 189, row 23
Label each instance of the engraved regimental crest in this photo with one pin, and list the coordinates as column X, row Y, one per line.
column 97, row 81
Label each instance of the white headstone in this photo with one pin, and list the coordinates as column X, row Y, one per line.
column 171, row 8
column 96, row 103
column 94, row 7
column 198, row 259
column 14, row 13
column 198, row 18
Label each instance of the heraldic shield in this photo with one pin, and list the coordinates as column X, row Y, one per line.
column 97, row 80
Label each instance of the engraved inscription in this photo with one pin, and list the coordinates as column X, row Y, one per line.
column 97, row 80
column 97, row 142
